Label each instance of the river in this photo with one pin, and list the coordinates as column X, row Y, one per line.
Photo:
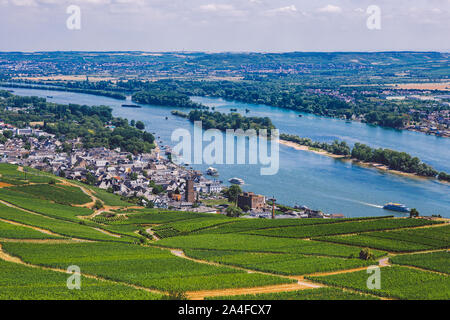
column 306, row 178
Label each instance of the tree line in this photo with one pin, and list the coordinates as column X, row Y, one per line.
column 395, row 160
column 224, row 121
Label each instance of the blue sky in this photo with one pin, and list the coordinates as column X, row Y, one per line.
column 219, row 25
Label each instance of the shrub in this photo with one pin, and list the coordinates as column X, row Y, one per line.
column 366, row 254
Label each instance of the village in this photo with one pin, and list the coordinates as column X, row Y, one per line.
column 151, row 179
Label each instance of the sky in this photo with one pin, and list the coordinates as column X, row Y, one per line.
column 219, row 25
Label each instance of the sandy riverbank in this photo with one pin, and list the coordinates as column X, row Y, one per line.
column 378, row 166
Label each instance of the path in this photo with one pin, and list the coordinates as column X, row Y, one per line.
column 31, row 227
column 200, row 295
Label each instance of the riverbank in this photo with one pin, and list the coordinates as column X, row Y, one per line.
column 378, row 166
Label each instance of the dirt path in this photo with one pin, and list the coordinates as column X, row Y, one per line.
column 200, row 295
column 42, row 215
column 152, row 233
column 88, row 192
column 31, row 227
column 7, row 257
column 108, row 233
column 301, row 284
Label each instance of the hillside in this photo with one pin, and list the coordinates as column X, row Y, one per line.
column 48, row 223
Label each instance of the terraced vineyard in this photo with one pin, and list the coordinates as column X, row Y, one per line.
column 403, row 240
column 396, row 282
column 125, row 252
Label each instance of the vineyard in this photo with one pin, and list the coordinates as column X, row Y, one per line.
column 48, row 223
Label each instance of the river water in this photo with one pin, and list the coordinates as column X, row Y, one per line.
column 306, row 178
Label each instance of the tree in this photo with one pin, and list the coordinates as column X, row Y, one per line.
column 8, row 134
column 140, row 125
column 232, row 193
column 98, row 205
column 366, row 254
column 134, row 176
column 90, row 179
column 233, row 211
column 413, row 213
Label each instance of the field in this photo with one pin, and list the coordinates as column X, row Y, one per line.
column 278, row 263
column 250, row 243
column 64, row 228
column 11, row 231
column 396, row 282
column 44, row 207
column 341, row 228
column 401, row 240
column 127, row 252
column 149, row 267
column 56, row 193
column 24, row 283
column 435, row 261
column 312, row 294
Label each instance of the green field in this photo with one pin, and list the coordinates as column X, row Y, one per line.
column 56, row 193
column 401, row 240
column 44, row 207
column 436, row 261
column 311, row 294
column 65, row 228
column 10, row 231
column 231, row 250
column 253, row 243
column 10, row 174
column 278, row 263
column 144, row 266
column 249, row 225
column 396, row 282
column 19, row 282
column 341, row 228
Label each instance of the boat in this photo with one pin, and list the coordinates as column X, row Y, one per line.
column 212, row 171
column 50, row 97
column 300, row 115
column 130, row 106
column 236, row 181
column 396, row 207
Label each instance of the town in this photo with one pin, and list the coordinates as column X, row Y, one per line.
column 150, row 179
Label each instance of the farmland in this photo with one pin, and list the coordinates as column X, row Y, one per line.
column 286, row 264
column 316, row 294
column 60, row 194
column 396, row 282
column 401, row 240
column 8, row 230
column 341, row 228
column 436, row 261
column 24, row 283
column 48, row 223
column 148, row 267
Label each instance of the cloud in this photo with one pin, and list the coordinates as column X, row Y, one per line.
column 283, row 10
column 330, row 9
column 24, row 3
column 216, row 7
column 221, row 9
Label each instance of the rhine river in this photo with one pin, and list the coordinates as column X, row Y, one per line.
column 306, row 178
